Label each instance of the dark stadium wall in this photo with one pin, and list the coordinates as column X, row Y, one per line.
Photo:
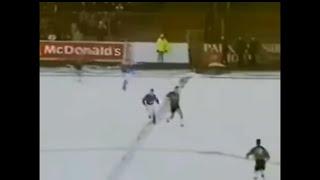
column 247, row 19
column 143, row 22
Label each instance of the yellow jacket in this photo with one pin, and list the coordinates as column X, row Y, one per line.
column 162, row 45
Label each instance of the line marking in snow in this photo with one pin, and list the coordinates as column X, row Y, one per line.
column 143, row 134
column 164, row 150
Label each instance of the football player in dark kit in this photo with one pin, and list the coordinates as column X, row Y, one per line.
column 260, row 155
column 174, row 98
column 149, row 102
column 240, row 48
column 254, row 47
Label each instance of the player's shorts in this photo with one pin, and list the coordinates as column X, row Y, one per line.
column 151, row 108
column 260, row 165
column 174, row 108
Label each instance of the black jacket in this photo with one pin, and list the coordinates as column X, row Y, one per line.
column 259, row 153
column 240, row 46
column 254, row 47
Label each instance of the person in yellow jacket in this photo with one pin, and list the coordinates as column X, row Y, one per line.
column 162, row 47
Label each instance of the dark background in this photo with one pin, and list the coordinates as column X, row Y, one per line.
column 20, row 127
column 145, row 21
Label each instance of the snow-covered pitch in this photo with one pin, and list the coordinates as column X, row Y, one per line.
column 87, row 127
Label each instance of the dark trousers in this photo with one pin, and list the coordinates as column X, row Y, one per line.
column 240, row 58
column 100, row 37
column 160, row 56
column 253, row 59
column 224, row 58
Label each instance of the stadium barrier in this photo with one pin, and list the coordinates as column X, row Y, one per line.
column 142, row 54
column 82, row 50
column 90, row 51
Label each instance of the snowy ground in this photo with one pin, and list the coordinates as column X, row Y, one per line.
column 86, row 127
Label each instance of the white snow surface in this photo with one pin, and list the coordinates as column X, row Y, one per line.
column 87, row 127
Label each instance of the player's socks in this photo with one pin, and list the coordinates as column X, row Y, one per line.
column 153, row 118
column 124, row 87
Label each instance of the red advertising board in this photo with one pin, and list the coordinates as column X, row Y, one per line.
column 82, row 50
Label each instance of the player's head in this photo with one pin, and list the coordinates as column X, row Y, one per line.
column 161, row 35
column 258, row 142
column 176, row 89
column 151, row 91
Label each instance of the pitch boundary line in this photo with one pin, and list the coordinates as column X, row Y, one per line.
column 165, row 150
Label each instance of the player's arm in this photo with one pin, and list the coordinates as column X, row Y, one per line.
column 144, row 100
column 250, row 153
column 169, row 96
column 156, row 98
column 267, row 155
